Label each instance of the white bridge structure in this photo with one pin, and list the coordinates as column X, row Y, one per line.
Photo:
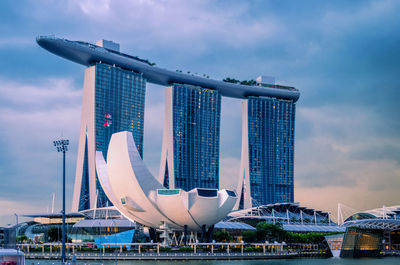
column 385, row 218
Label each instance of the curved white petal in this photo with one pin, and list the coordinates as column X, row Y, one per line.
column 203, row 209
column 101, row 169
column 140, row 197
column 227, row 200
column 174, row 204
column 130, row 178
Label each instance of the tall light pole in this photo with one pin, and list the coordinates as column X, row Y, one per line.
column 62, row 146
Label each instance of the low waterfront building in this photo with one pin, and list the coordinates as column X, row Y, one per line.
column 368, row 233
column 283, row 213
column 81, row 227
column 385, row 219
column 8, row 236
column 107, row 231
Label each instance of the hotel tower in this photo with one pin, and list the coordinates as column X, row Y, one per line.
column 113, row 101
column 190, row 149
column 267, row 159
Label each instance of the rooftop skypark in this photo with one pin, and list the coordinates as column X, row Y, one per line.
column 88, row 54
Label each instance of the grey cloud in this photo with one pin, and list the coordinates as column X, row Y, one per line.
column 340, row 150
column 378, row 151
column 343, row 56
column 45, row 95
column 30, row 163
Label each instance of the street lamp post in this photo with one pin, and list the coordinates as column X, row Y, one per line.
column 62, row 146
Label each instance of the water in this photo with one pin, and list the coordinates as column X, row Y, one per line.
column 296, row 261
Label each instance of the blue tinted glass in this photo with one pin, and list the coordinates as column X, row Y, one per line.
column 196, row 131
column 168, row 192
column 207, row 193
column 231, row 193
column 119, row 106
column 271, row 149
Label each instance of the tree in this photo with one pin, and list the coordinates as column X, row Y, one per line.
column 243, row 82
column 231, row 80
column 22, row 239
column 53, row 234
column 222, row 236
column 249, row 236
column 310, row 237
column 270, row 232
column 248, row 82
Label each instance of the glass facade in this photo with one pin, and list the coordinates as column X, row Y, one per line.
column 116, row 240
column 361, row 243
column 271, row 149
column 84, row 202
column 119, row 106
column 168, row 192
column 196, row 131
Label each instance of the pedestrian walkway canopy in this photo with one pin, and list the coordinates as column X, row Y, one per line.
column 381, row 224
column 314, row 228
column 104, row 223
column 233, row 225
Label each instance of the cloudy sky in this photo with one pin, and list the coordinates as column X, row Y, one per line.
column 344, row 57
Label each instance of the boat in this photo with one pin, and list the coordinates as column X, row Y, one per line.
column 12, row 257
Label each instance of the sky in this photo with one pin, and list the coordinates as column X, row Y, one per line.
column 343, row 56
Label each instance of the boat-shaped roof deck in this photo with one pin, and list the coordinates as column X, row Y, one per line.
column 88, row 54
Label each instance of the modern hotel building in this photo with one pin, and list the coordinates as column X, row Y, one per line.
column 113, row 101
column 190, row 152
column 267, row 160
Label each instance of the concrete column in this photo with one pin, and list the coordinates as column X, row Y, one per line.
column 42, row 250
column 264, row 249
column 120, row 249
column 194, row 249
column 241, row 249
column 185, row 231
column 212, row 249
column 227, row 249
column 103, row 249
column 139, row 249
column 158, row 249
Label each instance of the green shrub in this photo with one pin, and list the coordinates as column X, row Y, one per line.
column 109, row 249
column 235, row 249
column 86, row 249
column 205, row 249
column 165, row 249
column 249, row 249
column 186, row 249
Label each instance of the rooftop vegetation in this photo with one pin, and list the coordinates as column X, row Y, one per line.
column 250, row 82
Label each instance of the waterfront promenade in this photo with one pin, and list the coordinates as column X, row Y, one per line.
column 177, row 255
column 151, row 251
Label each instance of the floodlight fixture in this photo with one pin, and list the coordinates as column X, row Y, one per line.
column 62, row 146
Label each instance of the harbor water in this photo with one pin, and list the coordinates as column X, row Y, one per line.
column 296, row 261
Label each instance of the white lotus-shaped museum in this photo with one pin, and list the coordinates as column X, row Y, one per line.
column 140, row 197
